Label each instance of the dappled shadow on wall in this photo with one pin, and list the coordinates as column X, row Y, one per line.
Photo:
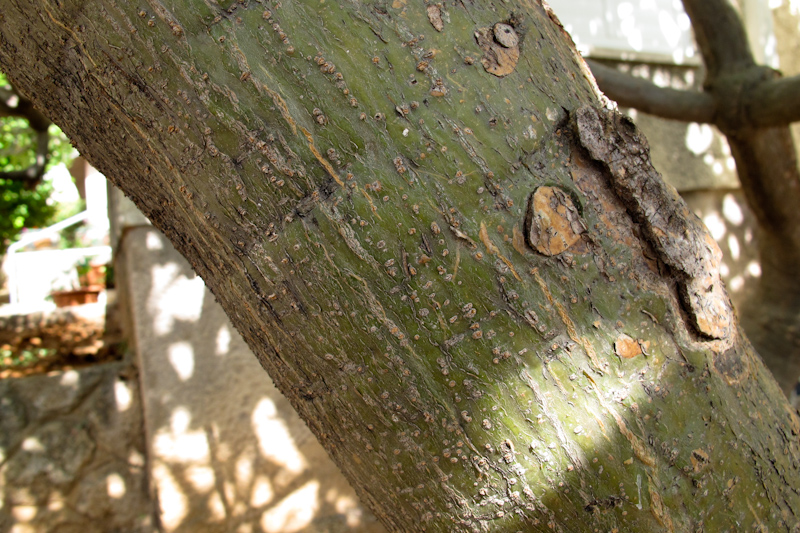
column 227, row 452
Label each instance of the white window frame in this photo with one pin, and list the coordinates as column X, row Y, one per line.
column 653, row 31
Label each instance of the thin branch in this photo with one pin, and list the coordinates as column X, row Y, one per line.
column 6, row 92
column 774, row 102
column 643, row 95
column 23, row 109
column 720, row 35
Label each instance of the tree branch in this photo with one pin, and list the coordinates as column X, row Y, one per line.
column 774, row 102
column 643, row 95
column 720, row 36
column 24, row 109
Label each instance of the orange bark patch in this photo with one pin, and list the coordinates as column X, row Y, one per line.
column 553, row 222
column 699, row 460
column 498, row 58
column 626, row 347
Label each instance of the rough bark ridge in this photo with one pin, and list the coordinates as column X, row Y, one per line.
column 753, row 106
column 400, row 209
column 681, row 240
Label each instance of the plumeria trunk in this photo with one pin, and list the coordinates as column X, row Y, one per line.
column 461, row 269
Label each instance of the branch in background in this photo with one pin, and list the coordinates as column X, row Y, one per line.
column 775, row 102
column 23, row 109
column 40, row 124
column 644, row 96
column 720, row 36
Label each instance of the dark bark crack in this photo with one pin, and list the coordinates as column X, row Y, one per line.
column 678, row 237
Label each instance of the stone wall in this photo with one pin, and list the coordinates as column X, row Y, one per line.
column 72, row 453
column 209, row 445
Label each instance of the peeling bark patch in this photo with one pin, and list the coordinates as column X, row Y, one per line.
column 498, row 58
column 699, row 460
column 494, row 250
column 571, row 331
column 706, row 295
column 626, row 347
column 280, row 103
column 677, row 235
column 378, row 311
column 349, row 236
column 553, row 223
column 542, row 400
column 637, row 445
column 324, row 162
column 435, row 17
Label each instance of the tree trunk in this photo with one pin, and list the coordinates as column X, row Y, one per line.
column 462, row 272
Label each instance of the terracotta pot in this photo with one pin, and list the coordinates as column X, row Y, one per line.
column 75, row 297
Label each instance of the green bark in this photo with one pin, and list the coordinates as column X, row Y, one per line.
column 355, row 183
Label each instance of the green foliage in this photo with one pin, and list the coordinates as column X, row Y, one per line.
column 18, row 145
column 61, row 150
column 20, row 207
column 11, row 360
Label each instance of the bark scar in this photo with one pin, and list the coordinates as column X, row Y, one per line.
column 552, row 223
column 500, row 46
column 677, row 235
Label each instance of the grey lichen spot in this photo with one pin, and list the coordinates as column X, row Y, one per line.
column 435, row 17
column 553, row 223
column 505, row 35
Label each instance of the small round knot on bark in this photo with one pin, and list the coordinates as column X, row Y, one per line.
column 552, row 223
